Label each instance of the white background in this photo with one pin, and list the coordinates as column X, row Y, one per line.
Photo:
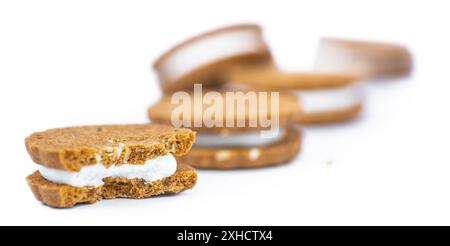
column 68, row 63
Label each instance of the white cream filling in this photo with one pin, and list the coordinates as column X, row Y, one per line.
column 245, row 139
column 324, row 100
column 209, row 49
column 153, row 169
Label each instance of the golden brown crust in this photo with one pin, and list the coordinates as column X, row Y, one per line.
column 161, row 112
column 213, row 73
column 267, row 76
column 73, row 147
column 329, row 117
column 233, row 158
column 66, row 196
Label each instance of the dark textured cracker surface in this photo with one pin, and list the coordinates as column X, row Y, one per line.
column 73, row 147
column 65, row 196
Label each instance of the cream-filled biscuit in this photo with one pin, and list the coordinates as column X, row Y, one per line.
column 223, row 154
column 368, row 59
column 90, row 163
column 323, row 97
column 207, row 57
column 224, row 146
